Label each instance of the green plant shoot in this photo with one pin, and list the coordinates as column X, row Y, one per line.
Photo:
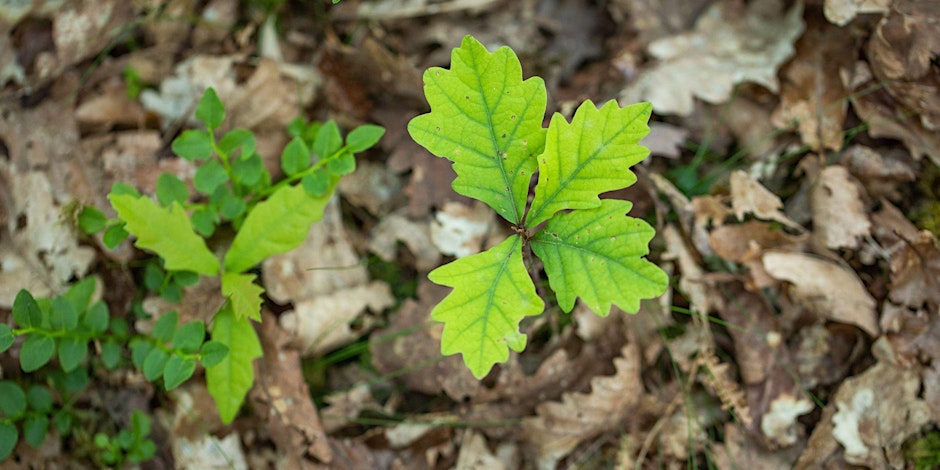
column 487, row 120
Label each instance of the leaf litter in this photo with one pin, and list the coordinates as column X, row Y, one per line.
column 801, row 330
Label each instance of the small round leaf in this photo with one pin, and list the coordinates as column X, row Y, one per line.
column 36, row 352
column 177, row 371
column 12, row 399
column 213, row 352
column 8, row 437
column 35, row 428
column 155, row 363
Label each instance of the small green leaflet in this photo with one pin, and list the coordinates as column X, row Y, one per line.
column 492, row 294
column 486, row 120
column 597, row 254
column 590, row 156
column 230, row 379
column 277, row 225
column 165, row 231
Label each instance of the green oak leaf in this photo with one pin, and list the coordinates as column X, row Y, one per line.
column 167, row 232
column 597, row 254
column 486, row 120
column 492, row 294
column 277, row 225
column 231, row 378
column 589, row 156
column 244, row 294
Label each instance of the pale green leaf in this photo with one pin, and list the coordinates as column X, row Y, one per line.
column 244, row 294
column 167, row 232
column 492, row 294
column 597, row 254
column 486, row 120
column 232, row 377
column 587, row 157
column 275, row 226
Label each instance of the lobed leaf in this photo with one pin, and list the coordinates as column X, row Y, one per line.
column 587, row 157
column 244, row 294
column 486, row 120
column 492, row 294
column 167, row 232
column 231, row 378
column 597, row 254
column 276, row 225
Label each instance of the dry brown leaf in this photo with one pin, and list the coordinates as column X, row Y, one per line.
column 841, row 12
column 665, row 140
column 657, row 18
column 740, row 451
column 559, row 427
column 902, row 53
column 828, row 289
column 281, row 397
column 474, row 455
column 342, row 408
column 692, row 283
column 745, row 242
column 416, row 235
column 915, row 273
column 881, row 175
column 885, row 115
column 373, row 187
column 812, row 95
column 727, row 47
column 748, row 196
column 825, row 353
column 876, row 412
column 208, row 451
column 840, row 214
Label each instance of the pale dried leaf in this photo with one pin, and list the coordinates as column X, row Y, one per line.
column 665, row 140
column 727, row 47
column 826, row 288
column 692, row 283
column 915, row 273
column 372, row 186
column 209, row 452
column 460, row 230
column 840, row 215
column 748, row 196
column 841, row 12
column 416, row 235
column 559, row 427
column 474, row 455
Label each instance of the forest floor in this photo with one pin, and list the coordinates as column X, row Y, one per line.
column 794, row 184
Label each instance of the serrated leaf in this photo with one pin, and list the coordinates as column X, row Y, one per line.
column 597, row 254
column 36, row 352
column 277, row 225
column 193, row 145
column 364, row 137
column 486, row 120
column 6, row 337
column 34, row 429
column 26, row 311
column 8, row 437
column 295, row 157
column 12, row 399
column 189, row 337
column 244, row 294
column 230, row 379
column 177, row 371
column 72, row 352
column 91, row 220
column 587, row 157
column 165, row 326
column 212, row 353
column 210, row 109
column 154, row 364
column 492, row 294
column 167, row 232
column 169, row 189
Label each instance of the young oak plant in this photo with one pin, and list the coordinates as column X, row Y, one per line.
column 488, row 121
column 234, row 187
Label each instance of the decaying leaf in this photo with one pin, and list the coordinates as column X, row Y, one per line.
column 459, row 230
column 915, row 273
column 826, row 288
column 559, row 427
column 876, row 412
column 727, row 47
column 812, row 96
column 749, row 196
column 840, row 215
column 841, row 12
column 474, row 455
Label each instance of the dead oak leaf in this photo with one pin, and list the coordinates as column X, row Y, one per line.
column 726, row 47
column 840, row 216
column 826, row 288
column 749, row 196
column 915, row 273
